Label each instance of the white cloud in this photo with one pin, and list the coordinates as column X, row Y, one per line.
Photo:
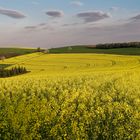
column 30, row 27
column 77, row 3
column 38, row 27
column 12, row 13
column 55, row 13
column 93, row 16
column 135, row 18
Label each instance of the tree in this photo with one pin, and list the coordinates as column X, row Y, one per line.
column 38, row 49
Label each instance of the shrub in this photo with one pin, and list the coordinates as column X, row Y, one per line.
column 12, row 72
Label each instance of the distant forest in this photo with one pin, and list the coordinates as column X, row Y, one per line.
column 118, row 45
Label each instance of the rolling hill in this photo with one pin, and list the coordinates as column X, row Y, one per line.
column 11, row 52
column 71, row 96
column 93, row 49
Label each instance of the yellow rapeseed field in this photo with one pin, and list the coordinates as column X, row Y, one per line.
column 71, row 97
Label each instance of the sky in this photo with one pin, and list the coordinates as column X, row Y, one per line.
column 57, row 23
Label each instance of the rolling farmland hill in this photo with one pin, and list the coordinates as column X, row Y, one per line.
column 71, row 96
column 51, row 64
column 93, row 49
column 11, row 52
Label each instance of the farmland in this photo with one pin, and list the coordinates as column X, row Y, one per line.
column 11, row 52
column 93, row 49
column 72, row 97
column 69, row 64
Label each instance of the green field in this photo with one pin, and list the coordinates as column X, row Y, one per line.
column 10, row 52
column 71, row 97
column 92, row 49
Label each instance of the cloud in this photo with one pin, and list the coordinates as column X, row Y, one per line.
column 42, row 24
column 55, row 13
column 12, row 13
column 31, row 27
column 116, row 32
column 135, row 18
column 77, row 3
column 34, row 27
column 39, row 27
column 70, row 24
column 93, row 16
column 70, row 36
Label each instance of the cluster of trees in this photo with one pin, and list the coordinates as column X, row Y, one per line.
column 118, row 45
column 38, row 49
column 42, row 50
column 12, row 72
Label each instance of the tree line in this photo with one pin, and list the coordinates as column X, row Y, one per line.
column 118, row 45
column 12, row 72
